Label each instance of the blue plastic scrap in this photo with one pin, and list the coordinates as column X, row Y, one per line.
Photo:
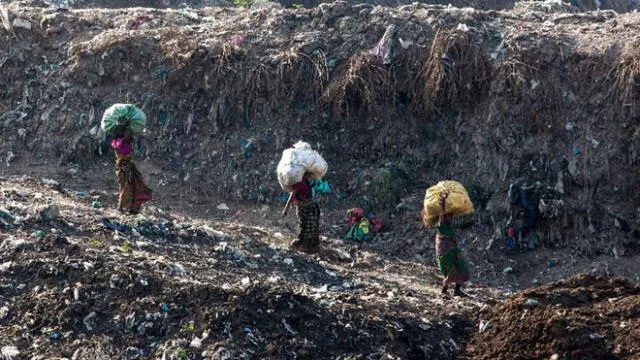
column 113, row 225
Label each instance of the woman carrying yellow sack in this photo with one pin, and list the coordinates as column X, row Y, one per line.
column 450, row 261
column 442, row 202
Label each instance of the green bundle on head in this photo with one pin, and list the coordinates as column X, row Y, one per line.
column 118, row 117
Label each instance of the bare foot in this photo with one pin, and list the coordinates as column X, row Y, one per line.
column 297, row 245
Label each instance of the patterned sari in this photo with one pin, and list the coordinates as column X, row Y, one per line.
column 309, row 222
column 450, row 261
column 133, row 190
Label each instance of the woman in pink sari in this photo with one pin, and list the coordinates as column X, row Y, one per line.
column 133, row 190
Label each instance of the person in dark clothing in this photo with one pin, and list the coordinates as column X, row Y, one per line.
column 308, row 212
column 524, row 206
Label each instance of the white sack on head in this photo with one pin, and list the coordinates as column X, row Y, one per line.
column 301, row 145
column 297, row 161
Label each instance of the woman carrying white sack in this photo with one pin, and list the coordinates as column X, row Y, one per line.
column 297, row 168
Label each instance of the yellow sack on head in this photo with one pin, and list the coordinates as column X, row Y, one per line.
column 458, row 202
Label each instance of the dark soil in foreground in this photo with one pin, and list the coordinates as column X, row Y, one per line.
column 190, row 288
column 183, row 287
column 583, row 317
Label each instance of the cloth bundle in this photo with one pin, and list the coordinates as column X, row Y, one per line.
column 297, row 161
column 458, row 202
column 123, row 115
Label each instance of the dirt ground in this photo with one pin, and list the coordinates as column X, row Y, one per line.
column 80, row 290
column 584, row 5
column 584, row 317
column 176, row 274
column 541, row 92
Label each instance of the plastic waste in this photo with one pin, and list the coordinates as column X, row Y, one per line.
column 531, row 303
column 9, row 352
column 21, row 23
column 320, row 187
column 113, row 225
column 49, row 182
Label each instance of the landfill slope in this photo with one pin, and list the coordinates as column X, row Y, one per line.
column 82, row 281
column 542, row 94
column 539, row 92
column 79, row 280
column 584, row 5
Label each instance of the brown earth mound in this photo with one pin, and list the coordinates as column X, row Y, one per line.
column 584, row 317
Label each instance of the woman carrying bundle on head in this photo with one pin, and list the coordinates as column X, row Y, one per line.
column 308, row 212
column 297, row 168
column 122, row 121
column 450, row 261
column 448, row 255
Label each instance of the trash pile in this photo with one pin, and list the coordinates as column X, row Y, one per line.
column 529, row 207
column 250, row 105
column 542, row 92
column 80, row 281
column 266, row 80
column 118, row 4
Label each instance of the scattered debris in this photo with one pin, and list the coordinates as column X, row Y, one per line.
column 21, row 23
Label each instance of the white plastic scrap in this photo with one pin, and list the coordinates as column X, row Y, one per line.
column 21, row 23
column 223, row 206
column 484, row 325
column 534, row 84
column 323, row 289
column 4, row 19
column 130, row 320
column 405, row 43
column 87, row 320
column 10, row 156
column 462, row 28
column 8, row 352
column 196, row 343
column 213, row 233
column 6, row 266
column 49, row 182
